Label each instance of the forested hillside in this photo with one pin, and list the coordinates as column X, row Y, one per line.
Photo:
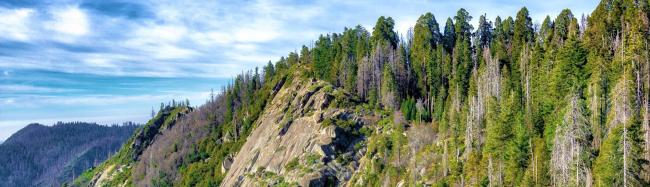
column 502, row 103
column 564, row 103
column 40, row 155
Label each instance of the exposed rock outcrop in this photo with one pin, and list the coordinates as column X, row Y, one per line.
column 298, row 139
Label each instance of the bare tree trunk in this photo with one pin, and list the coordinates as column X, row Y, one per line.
column 444, row 158
column 535, row 169
column 624, row 126
column 646, row 117
column 490, row 171
column 625, row 156
column 577, row 170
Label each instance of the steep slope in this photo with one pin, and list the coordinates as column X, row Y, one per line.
column 464, row 108
column 305, row 136
column 186, row 146
column 40, row 155
column 314, row 134
column 117, row 170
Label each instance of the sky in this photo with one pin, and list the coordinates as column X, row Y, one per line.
column 111, row 61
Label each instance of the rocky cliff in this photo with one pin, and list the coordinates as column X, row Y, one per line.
column 305, row 136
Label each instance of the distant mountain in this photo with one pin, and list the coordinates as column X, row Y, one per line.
column 39, row 155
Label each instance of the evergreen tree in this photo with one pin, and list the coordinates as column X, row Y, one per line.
column 449, row 37
column 546, row 31
column 561, row 26
column 569, row 73
column 322, row 57
column 304, row 55
column 426, row 38
column 523, row 31
column 462, row 56
column 483, row 33
column 383, row 34
column 621, row 155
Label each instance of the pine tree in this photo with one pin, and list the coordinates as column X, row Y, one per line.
column 483, row 33
column 561, row 26
column 496, row 136
column 449, row 37
column 546, row 31
column 322, row 57
column 304, row 55
column 462, row 57
column 620, row 160
column 569, row 72
column 523, row 30
column 383, row 34
column 426, row 37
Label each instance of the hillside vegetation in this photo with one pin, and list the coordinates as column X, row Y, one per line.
column 505, row 103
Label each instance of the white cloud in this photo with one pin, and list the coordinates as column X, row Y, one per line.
column 15, row 23
column 153, row 33
column 162, row 41
column 172, row 52
column 99, row 62
column 258, row 33
column 245, row 47
column 263, row 31
column 69, row 21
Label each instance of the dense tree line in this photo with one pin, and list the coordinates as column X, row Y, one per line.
column 564, row 103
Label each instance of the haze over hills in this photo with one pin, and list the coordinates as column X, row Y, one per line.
column 39, row 155
column 500, row 103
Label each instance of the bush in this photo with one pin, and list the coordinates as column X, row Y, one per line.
column 292, row 164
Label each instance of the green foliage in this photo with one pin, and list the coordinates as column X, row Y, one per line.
column 523, row 31
column 323, row 57
column 495, row 99
column 483, row 33
column 569, row 74
column 383, row 34
column 449, row 38
column 408, row 109
column 426, row 38
column 292, row 164
column 561, row 26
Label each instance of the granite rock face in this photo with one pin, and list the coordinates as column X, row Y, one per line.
column 297, row 140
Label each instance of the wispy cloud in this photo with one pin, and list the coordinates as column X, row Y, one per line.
column 14, row 23
column 68, row 21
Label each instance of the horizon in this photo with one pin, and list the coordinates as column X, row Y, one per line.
column 114, row 61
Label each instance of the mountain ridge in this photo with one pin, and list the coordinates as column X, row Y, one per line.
column 40, row 155
column 564, row 103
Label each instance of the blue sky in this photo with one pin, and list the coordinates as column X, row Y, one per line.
column 110, row 61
